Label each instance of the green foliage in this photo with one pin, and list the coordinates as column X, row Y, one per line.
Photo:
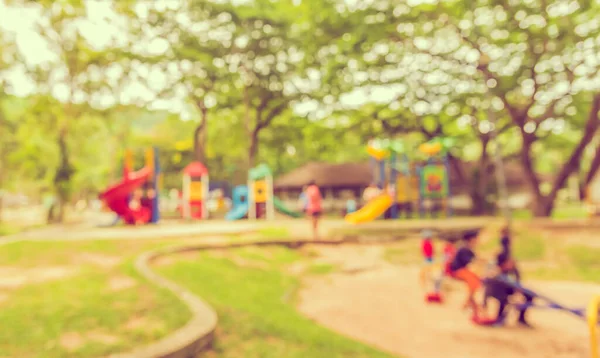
column 321, row 269
column 285, row 83
column 6, row 229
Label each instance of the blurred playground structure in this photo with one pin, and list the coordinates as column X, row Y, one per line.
column 195, row 190
column 419, row 179
column 118, row 197
column 258, row 202
column 408, row 185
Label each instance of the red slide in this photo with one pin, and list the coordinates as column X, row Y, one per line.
column 116, row 197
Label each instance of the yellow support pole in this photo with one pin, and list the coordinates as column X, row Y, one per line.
column 128, row 159
column 588, row 200
column 150, row 160
column 592, row 319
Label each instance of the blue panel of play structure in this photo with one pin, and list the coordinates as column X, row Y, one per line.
column 238, row 212
column 239, row 202
column 239, row 195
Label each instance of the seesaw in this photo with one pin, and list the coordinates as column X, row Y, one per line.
column 590, row 314
column 549, row 303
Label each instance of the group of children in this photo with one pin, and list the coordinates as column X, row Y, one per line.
column 458, row 265
column 141, row 202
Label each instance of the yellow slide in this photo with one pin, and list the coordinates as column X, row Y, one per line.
column 371, row 211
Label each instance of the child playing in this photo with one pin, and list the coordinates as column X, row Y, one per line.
column 148, row 201
column 498, row 288
column 370, row 193
column 460, row 269
column 314, row 207
column 136, row 203
column 428, row 253
column 350, row 206
column 449, row 253
column 136, row 200
column 427, row 246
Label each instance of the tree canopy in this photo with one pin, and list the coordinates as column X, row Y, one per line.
column 234, row 83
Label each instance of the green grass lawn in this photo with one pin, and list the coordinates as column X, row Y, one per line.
column 566, row 211
column 255, row 304
column 579, row 263
column 80, row 312
column 527, row 246
column 6, row 229
column 98, row 306
column 264, row 233
column 548, row 255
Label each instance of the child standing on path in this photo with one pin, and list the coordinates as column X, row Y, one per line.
column 314, row 207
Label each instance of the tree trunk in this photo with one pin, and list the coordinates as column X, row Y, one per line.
column 542, row 207
column 591, row 174
column 62, row 178
column 539, row 205
column 480, row 182
column 478, row 203
column 200, row 133
column 200, row 142
column 253, row 149
column 1, row 195
column 572, row 164
column 476, row 182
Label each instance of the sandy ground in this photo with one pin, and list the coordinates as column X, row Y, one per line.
column 383, row 305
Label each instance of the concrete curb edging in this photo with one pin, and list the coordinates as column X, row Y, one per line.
column 198, row 333
column 195, row 336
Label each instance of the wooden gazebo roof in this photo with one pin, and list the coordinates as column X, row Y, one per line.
column 355, row 175
column 346, row 175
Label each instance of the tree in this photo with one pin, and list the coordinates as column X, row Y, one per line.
column 74, row 76
column 532, row 56
column 266, row 51
column 189, row 59
column 591, row 173
column 404, row 91
column 244, row 55
column 7, row 142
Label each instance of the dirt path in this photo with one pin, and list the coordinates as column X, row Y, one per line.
column 383, row 306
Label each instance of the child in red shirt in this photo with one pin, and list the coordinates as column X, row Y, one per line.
column 314, row 206
column 449, row 252
column 428, row 253
column 427, row 246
